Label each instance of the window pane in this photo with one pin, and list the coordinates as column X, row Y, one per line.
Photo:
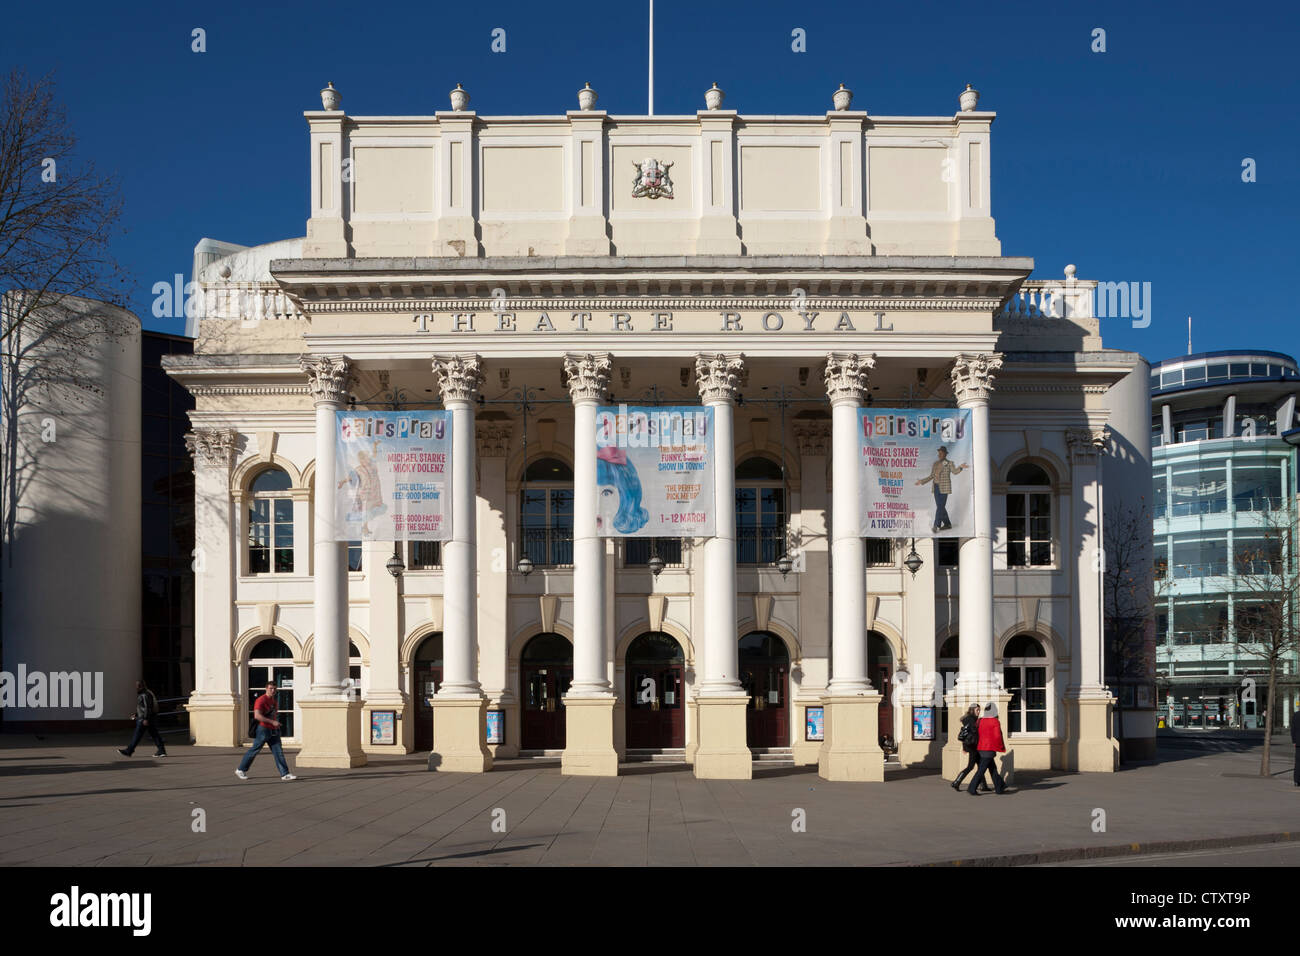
column 259, row 560
column 1016, row 554
column 284, row 509
column 1036, row 721
column 283, row 560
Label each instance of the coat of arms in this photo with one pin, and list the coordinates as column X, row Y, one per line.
column 652, row 180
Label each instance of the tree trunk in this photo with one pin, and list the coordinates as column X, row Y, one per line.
column 1268, row 715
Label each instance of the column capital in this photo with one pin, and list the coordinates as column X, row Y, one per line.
column 813, row 436
column 718, row 375
column 846, row 376
column 1087, row 444
column 459, row 377
column 587, row 375
column 212, row 446
column 493, row 438
column 972, row 376
column 328, row 378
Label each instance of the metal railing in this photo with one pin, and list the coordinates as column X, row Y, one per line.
column 547, row 547
column 178, row 717
column 760, row 545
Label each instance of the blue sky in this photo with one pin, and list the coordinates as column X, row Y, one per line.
column 1127, row 163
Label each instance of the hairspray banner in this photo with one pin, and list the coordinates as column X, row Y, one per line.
column 916, row 466
column 392, row 478
column 654, row 469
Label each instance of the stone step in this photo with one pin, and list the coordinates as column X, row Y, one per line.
column 656, row 755
column 540, row 754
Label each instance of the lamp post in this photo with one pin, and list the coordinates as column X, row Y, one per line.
column 913, row 560
column 395, row 564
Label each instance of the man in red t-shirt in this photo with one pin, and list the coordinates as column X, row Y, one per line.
column 268, row 731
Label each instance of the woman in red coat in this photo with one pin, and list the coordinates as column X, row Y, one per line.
column 990, row 745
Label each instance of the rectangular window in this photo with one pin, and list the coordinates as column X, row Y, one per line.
column 423, row 555
column 1029, row 529
column 637, row 551
column 354, row 555
column 947, row 552
column 760, row 525
column 880, row 551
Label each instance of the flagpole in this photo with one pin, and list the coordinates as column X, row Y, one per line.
column 650, row 93
column 1189, row 335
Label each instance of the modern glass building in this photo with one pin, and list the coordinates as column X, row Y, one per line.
column 1223, row 478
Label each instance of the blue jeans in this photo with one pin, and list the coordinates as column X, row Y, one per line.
column 941, row 518
column 265, row 735
column 141, row 730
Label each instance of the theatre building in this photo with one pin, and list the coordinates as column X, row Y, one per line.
column 778, row 274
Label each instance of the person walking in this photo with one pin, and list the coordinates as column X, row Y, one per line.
column 990, row 744
column 968, row 737
column 268, row 732
column 146, row 719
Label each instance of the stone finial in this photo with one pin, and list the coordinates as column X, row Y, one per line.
column 713, row 97
column 586, row 97
column 214, row 446
column 459, row 98
column 330, row 98
column 846, row 376
column 588, row 375
column 969, row 99
column 1070, row 270
column 459, row 377
column 842, row 98
column 718, row 375
column 972, row 376
column 328, row 378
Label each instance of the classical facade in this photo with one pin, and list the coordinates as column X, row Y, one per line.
column 520, row 271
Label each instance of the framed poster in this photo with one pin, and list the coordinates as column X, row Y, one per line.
column 814, row 723
column 496, row 727
column 1144, row 695
column 923, row 723
column 383, row 727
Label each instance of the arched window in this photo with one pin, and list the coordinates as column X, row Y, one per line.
column 270, row 524
column 1029, row 517
column 760, row 512
column 546, row 513
column 1024, row 674
column 354, row 670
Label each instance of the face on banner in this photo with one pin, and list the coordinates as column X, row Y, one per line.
column 392, row 479
column 654, row 471
column 915, row 477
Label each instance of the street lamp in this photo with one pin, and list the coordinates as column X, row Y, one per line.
column 784, row 564
column 655, row 564
column 913, row 560
column 395, row 564
column 525, row 566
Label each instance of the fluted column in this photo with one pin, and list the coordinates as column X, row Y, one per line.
column 851, row 750
column 331, row 732
column 459, row 707
column 972, row 384
column 589, row 704
column 213, row 707
column 723, row 752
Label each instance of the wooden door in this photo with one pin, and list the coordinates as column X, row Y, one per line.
column 428, row 679
column 543, row 721
column 767, row 716
column 655, row 709
column 885, row 685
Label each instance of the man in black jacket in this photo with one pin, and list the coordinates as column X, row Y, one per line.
column 146, row 719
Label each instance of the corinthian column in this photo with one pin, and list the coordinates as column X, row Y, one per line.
column 459, row 707
column 972, row 383
column 331, row 733
column 589, row 704
column 723, row 752
column 212, row 706
column 851, row 750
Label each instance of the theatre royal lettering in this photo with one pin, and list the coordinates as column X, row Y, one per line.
column 652, row 321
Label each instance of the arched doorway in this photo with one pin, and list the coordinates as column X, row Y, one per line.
column 949, row 667
column 880, row 668
column 655, row 682
column 545, row 673
column 426, row 671
column 271, row 661
column 765, row 675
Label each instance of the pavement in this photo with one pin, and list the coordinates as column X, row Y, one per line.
column 75, row 802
